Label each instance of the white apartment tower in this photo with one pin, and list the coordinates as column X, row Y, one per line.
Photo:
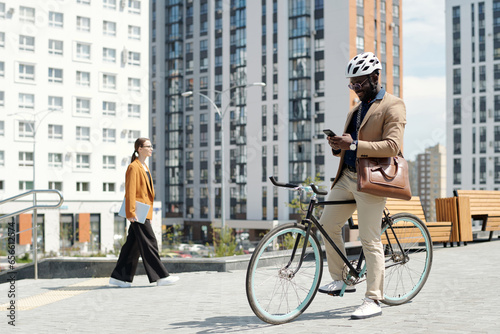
column 299, row 49
column 473, row 94
column 74, row 78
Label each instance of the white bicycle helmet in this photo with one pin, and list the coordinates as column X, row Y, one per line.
column 362, row 64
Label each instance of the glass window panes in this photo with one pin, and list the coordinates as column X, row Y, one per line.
column 55, row 47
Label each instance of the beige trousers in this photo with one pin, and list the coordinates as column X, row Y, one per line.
column 370, row 210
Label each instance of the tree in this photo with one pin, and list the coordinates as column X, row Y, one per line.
column 225, row 242
column 298, row 203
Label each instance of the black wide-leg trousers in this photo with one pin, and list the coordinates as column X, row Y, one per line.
column 140, row 241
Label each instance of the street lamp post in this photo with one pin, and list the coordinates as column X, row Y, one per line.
column 34, row 129
column 221, row 115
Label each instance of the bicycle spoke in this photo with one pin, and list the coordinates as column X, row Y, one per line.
column 277, row 293
column 408, row 259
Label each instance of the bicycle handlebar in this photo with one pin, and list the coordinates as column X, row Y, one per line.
column 294, row 186
column 284, row 185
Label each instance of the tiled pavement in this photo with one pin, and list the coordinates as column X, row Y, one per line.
column 462, row 295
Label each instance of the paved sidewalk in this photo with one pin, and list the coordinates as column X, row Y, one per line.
column 462, row 295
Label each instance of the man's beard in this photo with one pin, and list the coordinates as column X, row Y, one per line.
column 371, row 94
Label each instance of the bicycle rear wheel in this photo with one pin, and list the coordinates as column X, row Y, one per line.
column 275, row 292
column 406, row 267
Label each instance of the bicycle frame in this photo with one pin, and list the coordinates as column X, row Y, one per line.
column 310, row 220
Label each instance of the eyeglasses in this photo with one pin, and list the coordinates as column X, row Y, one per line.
column 148, row 146
column 357, row 86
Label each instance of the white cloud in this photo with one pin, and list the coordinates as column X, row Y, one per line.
column 425, row 100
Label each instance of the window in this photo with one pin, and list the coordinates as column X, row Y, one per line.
column 109, row 81
column 109, row 55
column 110, row 4
column 109, row 135
column 56, row 19
column 25, row 185
column 395, row 50
column 55, row 160
column 134, row 6
column 82, row 133
column 26, row 43
column 82, row 161
column 395, row 10
column 55, row 131
column 109, row 28
column 2, row 10
column 2, row 99
column 55, row 75
column 108, row 162
column 83, row 78
column 2, row 158
column 360, row 43
column 83, row 51
column 134, row 58
column 134, row 110
column 26, row 101
column 55, row 47
column 83, row 23
column 134, row 32
column 25, row 129
column 27, row 14
column 395, row 70
column 82, row 106
column 26, row 72
column 2, row 69
column 2, row 39
column 57, row 185
column 108, row 108
column 360, row 22
column 2, row 128
column 25, row 159
column 83, row 186
column 83, row 2
column 132, row 135
column 108, row 187
column 134, row 85
column 55, row 102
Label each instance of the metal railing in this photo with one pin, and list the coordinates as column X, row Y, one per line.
column 34, row 207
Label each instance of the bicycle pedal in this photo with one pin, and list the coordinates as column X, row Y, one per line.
column 336, row 293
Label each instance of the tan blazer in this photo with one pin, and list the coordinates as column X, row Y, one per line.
column 138, row 188
column 381, row 132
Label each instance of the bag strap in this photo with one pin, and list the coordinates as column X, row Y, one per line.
column 396, row 163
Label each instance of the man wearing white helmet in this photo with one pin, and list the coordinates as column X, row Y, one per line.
column 374, row 128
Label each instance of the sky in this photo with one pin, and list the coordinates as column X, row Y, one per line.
column 424, row 81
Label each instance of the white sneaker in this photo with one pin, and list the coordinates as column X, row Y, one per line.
column 333, row 288
column 167, row 280
column 369, row 308
column 117, row 282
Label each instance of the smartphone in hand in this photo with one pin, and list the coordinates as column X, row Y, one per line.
column 329, row 133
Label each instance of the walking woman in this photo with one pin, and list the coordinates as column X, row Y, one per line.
column 141, row 239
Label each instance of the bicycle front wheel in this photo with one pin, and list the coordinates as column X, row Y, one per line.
column 278, row 289
column 408, row 258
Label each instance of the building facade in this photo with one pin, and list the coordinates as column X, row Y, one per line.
column 73, row 99
column 473, row 94
column 299, row 49
column 430, row 177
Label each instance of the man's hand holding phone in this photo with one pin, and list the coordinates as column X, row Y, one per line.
column 330, row 134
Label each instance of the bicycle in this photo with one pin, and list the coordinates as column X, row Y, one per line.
column 285, row 269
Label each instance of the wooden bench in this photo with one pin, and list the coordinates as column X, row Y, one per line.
column 484, row 205
column 439, row 231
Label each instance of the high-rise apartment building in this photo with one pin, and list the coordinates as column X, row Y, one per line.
column 73, row 99
column 473, row 94
column 299, row 49
column 430, row 177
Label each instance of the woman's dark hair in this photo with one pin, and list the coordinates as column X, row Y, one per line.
column 138, row 143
